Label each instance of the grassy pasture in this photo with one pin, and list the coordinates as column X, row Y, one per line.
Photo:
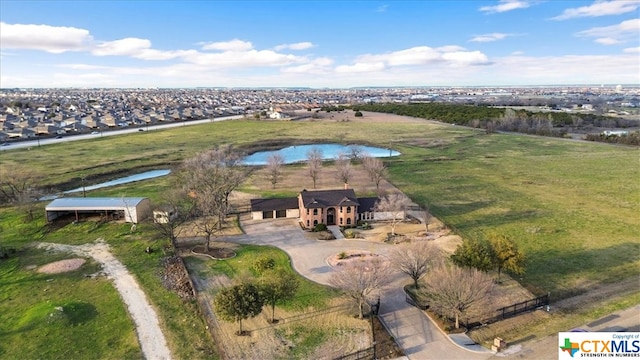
column 95, row 323
column 571, row 206
column 61, row 316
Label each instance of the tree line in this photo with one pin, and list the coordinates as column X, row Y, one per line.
column 553, row 124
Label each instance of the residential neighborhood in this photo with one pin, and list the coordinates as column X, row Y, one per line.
column 40, row 113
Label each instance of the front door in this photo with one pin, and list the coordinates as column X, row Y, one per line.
column 331, row 216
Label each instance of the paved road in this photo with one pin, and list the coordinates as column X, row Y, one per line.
column 65, row 138
column 413, row 330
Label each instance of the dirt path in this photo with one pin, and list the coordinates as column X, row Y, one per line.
column 150, row 336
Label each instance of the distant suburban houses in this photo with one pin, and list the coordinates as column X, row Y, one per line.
column 29, row 113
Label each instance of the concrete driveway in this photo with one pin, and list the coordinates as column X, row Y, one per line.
column 412, row 329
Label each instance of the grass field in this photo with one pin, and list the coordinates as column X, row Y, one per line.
column 95, row 323
column 571, row 206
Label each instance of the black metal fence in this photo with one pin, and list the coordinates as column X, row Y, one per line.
column 367, row 354
column 515, row 309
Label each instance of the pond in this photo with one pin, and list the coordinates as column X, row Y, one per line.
column 124, row 180
column 298, row 153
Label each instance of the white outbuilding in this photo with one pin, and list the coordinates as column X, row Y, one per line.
column 129, row 209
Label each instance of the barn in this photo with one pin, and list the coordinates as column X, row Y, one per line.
column 129, row 209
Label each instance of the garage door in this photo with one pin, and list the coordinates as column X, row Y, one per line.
column 267, row 214
column 281, row 213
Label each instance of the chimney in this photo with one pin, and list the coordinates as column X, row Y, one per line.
column 346, row 186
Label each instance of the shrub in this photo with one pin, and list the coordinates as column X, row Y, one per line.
column 326, row 235
column 320, row 227
column 263, row 264
column 365, row 226
column 358, row 114
column 342, row 255
column 349, row 234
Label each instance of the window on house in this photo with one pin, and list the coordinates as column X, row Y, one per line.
column 307, row 211
column 348, row 209
column 307, row 223
column 340, row 208
column 315, row 222
column 348, row 221
column 340, row 221
column 315, row 211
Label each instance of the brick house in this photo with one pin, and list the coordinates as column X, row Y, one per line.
column 331, row 207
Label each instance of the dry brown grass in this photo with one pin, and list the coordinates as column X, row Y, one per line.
column 338, row 331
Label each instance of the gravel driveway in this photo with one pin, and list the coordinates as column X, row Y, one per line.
column 150, row 336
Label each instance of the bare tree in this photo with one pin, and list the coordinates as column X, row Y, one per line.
column 361, row 279
column 427, row 218
column 175, row 208
column 415, row 259
column 394, row 207
column 355, row 152
column 19, row 185
column 314, row 164
column 456, row 291
column 345, row 171
column 209, row 178
column 274, row 169
column 375, row 168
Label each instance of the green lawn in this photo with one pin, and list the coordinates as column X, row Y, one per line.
column 61, row 316
column 309, row 294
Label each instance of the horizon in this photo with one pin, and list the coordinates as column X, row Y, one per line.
column 318, row 45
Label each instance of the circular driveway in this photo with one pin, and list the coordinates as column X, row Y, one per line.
column 414, row 332
column 308, row 256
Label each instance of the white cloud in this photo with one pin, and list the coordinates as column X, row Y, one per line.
column 243, row 59
column 317, row 66
column 296, row 46
column 600, row 8
column 122, row 47
column 232, row 45
column 506, row 5
column 466, row 58
column 52, row 39
column 489, row 37
column 417, row 56
column 81, row 66
column 607, row 41
column 633, row 50
column 614, row 34
column 450, row 48
column 361, row 67
column 381, row 8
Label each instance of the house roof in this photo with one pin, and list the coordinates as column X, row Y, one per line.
column 367, row 204
column 323, row 198
column 274, row 204
column 91, row 203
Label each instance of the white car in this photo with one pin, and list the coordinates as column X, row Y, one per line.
column 94, row 133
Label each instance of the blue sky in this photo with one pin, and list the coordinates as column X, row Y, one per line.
column 316, row 44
